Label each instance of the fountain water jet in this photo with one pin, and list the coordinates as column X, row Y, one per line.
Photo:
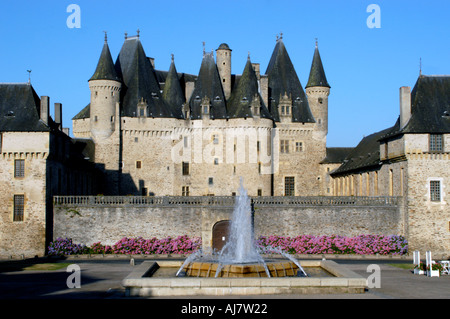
column 240, row 254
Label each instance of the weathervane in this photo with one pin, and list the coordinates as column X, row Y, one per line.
column 420, row 66
column 29, row 76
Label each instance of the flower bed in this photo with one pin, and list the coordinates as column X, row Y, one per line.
column 168, row 245
column 305, row 244
column 360, row 245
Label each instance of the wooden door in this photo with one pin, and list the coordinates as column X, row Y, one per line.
column 220, row 234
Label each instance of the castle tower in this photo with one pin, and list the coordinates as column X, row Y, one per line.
column 105, row 88
column 317, row 90
column 223, row 57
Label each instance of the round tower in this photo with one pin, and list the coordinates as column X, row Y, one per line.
column 223, row 58
column 105, row 88
column 317, row 91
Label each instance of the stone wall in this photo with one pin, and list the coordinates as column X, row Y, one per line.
column 108, row 219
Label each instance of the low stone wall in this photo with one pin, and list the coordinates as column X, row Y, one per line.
column 90, row 219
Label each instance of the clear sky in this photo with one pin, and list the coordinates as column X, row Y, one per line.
column 364, row 66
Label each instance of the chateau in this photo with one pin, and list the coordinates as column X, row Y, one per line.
column 160, row 134
column 168, row 133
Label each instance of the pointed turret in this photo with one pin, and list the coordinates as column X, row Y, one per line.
column 246, row 100
column 105, row 68
column 317, row 74
column 138, row 75
column 284, row 86
column 208, row 99
column 173, row 93
column 317, row 91
column 105, row 87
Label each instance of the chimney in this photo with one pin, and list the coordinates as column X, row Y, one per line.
column 405, row 105
column 45, row 108
column 58, row 115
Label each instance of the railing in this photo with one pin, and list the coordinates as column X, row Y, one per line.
column 223, row 201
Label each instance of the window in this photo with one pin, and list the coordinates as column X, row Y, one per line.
column 185, row 191
column 436, row 144
column 205, row 109
column 138, row 164
column 320, row 100
column 185, row 168
column 19, row 168
column 259, row 192
column 284, row 146
column 215, row 139
column 18, row 207
column 289, row 186
column 285, row 110
column 299, row 146
column 435, row 191
column 210, row 181
column 186, row 141
column 216, row 161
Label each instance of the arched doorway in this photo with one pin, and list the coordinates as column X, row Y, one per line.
column 220, row 233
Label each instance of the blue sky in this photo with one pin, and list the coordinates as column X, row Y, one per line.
column 364, row 66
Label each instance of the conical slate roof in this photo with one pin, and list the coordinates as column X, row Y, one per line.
column 208, row 85
column 105, row 68
column 138, row 75
column 173, row 93
column 246, row 89
column 317, row 74
column 283, row 80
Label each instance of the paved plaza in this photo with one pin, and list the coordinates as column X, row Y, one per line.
column 101, row 279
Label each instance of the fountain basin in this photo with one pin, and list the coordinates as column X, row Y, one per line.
column 210, row 269
column 141, row 282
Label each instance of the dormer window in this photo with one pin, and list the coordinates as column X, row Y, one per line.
column 244, row 99
column 142, row 108
column 256, row 110
column 285, row 110
column 205, row 109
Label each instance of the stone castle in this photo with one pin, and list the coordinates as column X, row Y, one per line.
column 149, row 134
column 170, row 133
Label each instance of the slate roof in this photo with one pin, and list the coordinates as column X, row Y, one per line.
column 138, row 75
column 173, row 94
column 336, row 155
column 208, row 84
column 430, row 106
column 317, row 74
column 84, row 113
column 283, row 79
column 20, row 109
column 245, row 90
column 105, row 68
column 366, row 155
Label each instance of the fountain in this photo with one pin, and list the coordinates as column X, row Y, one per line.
column 240, row 257
column 240, row 269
